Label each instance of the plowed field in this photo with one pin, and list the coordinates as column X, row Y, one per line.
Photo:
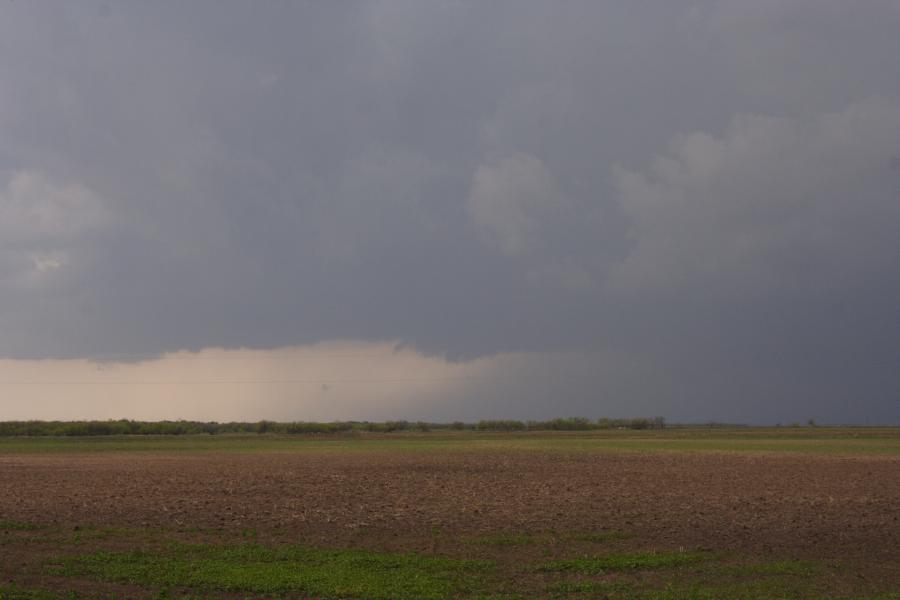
column 507, row 506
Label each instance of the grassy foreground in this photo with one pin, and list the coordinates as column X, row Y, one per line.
column 117, row 563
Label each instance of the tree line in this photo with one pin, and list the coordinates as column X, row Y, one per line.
column 129, row 427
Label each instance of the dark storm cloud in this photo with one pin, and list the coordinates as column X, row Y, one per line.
column 708, row 188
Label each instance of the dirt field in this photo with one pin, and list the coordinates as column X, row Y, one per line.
column 816, row 507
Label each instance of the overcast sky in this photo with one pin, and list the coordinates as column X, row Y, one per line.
column 513, row 208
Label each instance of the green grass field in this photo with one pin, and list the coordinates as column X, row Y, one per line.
column 159, row 566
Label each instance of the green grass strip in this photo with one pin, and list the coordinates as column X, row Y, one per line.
column 14, row 592
column 253, row 568
column 18, row 526
column 597, row 565
column 884, row 441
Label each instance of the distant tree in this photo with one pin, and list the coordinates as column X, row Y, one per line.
column 500, row 425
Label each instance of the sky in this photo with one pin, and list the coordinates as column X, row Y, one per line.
column 450, row 210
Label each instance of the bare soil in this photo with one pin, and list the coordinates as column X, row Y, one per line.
column 823, row 507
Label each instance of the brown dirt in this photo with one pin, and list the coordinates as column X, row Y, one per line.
column 787, row 505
